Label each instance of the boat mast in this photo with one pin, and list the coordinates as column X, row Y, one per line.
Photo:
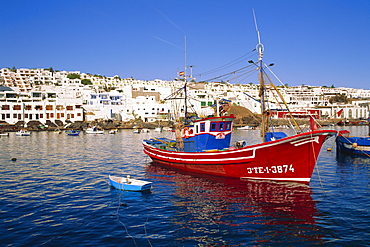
column 264, row 111
column 185, row 84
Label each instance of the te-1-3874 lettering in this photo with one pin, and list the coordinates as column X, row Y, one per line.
column 271, row 169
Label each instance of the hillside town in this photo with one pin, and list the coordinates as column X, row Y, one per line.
column 50, row 96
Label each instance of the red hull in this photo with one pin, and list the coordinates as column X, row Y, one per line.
column 289, row 159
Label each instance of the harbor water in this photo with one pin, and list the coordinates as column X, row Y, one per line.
column 56, row 193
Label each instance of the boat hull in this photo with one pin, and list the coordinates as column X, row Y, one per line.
column 129, row 184
column 352, row 145
column 73, row 132
column 23, row 133
column 288, row 159
column 97, row 132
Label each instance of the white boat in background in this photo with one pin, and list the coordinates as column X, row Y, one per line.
column 127, row 183
column 158, row 129
column 94, row 130
column 245, row 128
column 113, row 131
column 3, row 134
column 23, row 132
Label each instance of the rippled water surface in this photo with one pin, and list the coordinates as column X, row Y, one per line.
column 56, row 194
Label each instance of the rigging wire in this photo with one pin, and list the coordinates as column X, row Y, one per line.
column 233, row 72
column 228, row 65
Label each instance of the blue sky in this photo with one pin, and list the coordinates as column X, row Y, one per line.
column 311, row 42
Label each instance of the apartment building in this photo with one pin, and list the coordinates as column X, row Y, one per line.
column 39, row 106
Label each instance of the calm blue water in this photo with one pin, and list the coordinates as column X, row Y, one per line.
column 56, row 194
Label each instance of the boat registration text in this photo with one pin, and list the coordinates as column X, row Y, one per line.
column 271, row 169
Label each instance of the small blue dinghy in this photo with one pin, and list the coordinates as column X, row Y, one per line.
column 129, row 184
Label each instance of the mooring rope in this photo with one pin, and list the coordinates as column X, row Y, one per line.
column 77, row 226
column 118, row 219
column 317, row 166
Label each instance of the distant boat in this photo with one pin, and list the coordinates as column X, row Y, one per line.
column 73, row 132
column 23, row 132
column 4, row 134
column 352, row 144
column 113, row 131
column 158, row 129
column 246, row 128
column 94, row 130
column 127, row 183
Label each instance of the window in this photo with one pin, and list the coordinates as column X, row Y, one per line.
column 17, row 107
column 5, row 107
column 213, row 126
column 228, row 125
column 221, row 126
column 49, row 107
column 202, row 127
column 69, row 108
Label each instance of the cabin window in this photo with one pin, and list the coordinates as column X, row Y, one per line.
column 202, row 127
column 221, row 126
column 213, row 126
column 228, row 126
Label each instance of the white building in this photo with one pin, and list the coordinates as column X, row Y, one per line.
column 40, row 106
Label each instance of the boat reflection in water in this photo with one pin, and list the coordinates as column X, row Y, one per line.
column 224, row 210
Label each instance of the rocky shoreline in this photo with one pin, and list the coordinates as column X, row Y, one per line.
column 112, row 124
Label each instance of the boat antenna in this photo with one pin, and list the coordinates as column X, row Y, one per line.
column 259, row 47
column 264, row 112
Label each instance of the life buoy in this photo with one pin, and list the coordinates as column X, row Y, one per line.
column 186, row 132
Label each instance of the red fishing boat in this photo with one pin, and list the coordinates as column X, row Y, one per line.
column 287, row 159
column 203, row 145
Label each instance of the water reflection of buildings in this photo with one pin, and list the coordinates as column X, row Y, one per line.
column 225, row 210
